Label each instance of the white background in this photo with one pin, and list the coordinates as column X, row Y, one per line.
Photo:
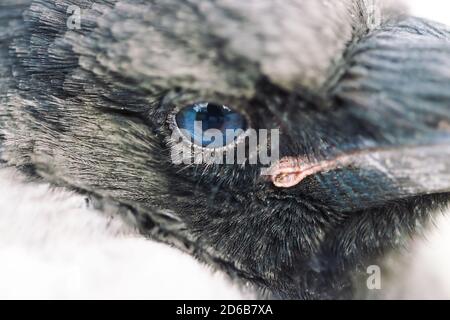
column 432, row 9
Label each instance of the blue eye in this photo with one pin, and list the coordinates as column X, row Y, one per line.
column 209, row 124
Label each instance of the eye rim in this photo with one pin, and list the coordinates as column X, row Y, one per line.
column 173, row 126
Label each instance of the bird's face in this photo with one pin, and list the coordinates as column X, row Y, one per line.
column 361, row 105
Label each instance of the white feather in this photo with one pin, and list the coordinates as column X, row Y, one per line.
column 53, row 247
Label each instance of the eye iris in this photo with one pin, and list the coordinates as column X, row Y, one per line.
column 197, row 119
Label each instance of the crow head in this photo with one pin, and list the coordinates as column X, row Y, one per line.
column 358, row 93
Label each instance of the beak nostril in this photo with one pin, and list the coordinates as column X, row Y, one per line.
column 286, row 180
column 290, row 171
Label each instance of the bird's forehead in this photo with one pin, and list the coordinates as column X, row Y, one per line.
column 227, row 45
column 294, row 42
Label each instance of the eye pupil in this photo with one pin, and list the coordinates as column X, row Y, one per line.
column 209, row 116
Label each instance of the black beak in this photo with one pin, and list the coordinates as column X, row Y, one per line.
column 387, row 135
